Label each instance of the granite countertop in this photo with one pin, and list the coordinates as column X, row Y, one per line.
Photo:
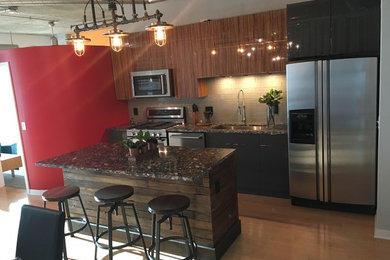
column 231, row 128
column 216, row 128
column 168, row 163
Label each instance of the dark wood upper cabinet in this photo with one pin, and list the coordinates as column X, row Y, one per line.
column 188, row 52
column 333, row 29
column 355, row 28
column 308, row 29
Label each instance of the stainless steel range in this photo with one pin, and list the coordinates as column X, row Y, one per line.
column 159, row 120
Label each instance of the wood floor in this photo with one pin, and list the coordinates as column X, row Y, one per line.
column 271, row 229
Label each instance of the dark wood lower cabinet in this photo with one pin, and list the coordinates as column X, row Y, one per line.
column 273, row 154
column 262, row 161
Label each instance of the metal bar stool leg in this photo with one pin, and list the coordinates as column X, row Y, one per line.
column 158, row 239
column 86, row 218
column 124, row 217
column 109, row 218
column 139, row 229
column 67, row 212
column 185, row 234
column 189, row 234
column 97, row 230
column 61, row 207
column 153, row 242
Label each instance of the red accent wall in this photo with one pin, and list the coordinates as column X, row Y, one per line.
column 66, row 101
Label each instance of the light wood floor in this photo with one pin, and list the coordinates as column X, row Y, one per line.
column 271, row 229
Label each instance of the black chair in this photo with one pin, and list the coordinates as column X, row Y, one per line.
column 41, row 234
column 168, row 206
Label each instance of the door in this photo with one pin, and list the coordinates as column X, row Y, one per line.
column 302, row 82
column 352, row 130
column 186, row 139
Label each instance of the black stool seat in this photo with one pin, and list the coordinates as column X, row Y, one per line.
column 61, row 193
column 168, row 204
column 114, row 193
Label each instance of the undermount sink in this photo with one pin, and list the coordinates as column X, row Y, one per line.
column 240, row 127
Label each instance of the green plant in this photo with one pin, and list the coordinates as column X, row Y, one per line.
column 129, row 143
column 271, row 98
column 147, row 136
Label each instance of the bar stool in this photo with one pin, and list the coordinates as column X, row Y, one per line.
column 113, row 198
column 169, row 206
column 61, row 196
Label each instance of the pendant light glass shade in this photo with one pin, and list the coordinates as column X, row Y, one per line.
column 116, row 39
column 78, row 44
column 159, row 29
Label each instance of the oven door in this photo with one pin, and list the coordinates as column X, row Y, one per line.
column 186, row 139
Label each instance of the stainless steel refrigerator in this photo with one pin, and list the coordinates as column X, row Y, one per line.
column 332, row 122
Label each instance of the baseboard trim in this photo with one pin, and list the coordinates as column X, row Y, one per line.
column 382, row 233
column 35, row 192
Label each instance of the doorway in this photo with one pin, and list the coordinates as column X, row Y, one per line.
column 9, row 129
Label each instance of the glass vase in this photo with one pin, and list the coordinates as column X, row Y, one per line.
column 270, row 117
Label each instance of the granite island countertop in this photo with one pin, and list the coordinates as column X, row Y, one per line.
column 168, row 163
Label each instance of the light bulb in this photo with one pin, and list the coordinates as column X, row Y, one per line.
column 79, row 47
column 160, row 36
column 116, row 43
column 240, row 49
column 270, row 47
column 213, row 52
column 159, row 29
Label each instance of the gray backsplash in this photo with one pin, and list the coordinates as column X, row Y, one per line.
column 222, row 95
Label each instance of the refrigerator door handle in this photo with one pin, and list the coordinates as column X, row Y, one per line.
column 319, row 123
column 326, row 131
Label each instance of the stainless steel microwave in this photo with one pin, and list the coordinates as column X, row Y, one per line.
column 152, row 83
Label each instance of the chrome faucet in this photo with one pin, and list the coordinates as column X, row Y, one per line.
column 241, row 106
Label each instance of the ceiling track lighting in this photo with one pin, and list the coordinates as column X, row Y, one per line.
column 116, row 35
column 53, row 39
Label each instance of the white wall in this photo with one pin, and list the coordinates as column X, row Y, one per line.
column 25, row 40
column 382, row 227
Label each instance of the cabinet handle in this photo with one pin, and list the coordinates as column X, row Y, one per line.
column 235, row 145
column 264, row 145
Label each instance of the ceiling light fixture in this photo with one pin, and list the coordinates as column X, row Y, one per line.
column 54, row 40
column 241, row 49
column 78, row 44
column 159, row 28
column 116, row 35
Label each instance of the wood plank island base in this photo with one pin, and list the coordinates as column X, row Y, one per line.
column 206, row 175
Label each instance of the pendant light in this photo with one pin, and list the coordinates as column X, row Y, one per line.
column 116, row 38
column 53, row 39
column 78, row 43
column 116, row 35
column 159, row 28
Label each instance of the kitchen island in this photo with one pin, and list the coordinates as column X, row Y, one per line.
column 206, row 175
